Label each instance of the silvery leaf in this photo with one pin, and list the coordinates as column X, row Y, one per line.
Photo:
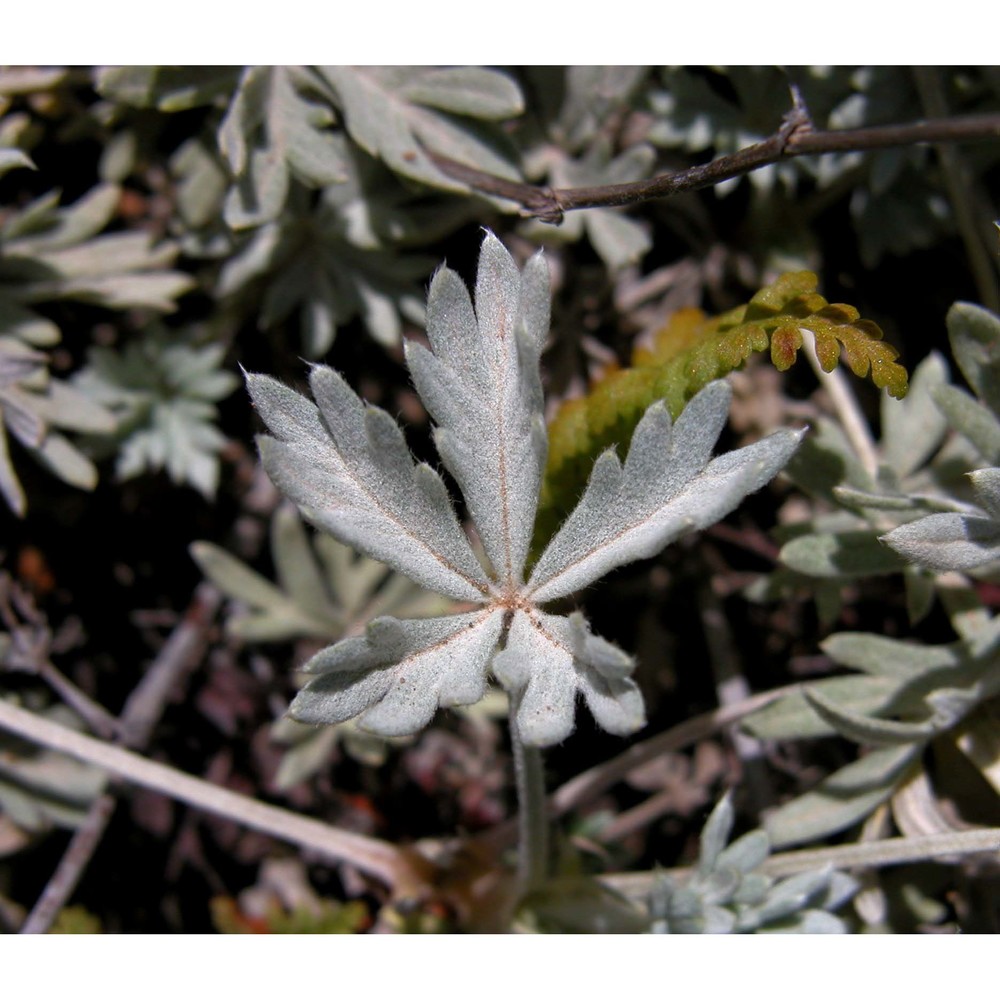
column 666, row 488
column 547, row 660
column 396, row 675
column 482, row 388
column 348, row 468
column 947, row 541
column 401, row 113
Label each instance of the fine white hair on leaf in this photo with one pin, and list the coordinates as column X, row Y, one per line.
column 346, row 465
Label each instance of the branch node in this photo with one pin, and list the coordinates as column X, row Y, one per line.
column 797, row 120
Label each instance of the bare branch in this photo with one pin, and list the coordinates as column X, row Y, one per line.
column 142, row 711
column 374, row 857
column 795, row 137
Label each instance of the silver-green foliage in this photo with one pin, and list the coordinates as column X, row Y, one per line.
column 162, row 387
column 348, row 468
column 32, row 406
column 967, row 538
column 900, row 697
column 322, row 591
column 897, row 203
column 931, row 502
column 50, row 253
column 728, row 894
column 917, row 515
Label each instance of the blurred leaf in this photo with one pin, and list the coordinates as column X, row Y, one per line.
column 11, row 159
column 277, row 124
column 843, row 799
column 726, row 894
column 618, row 239
column 979, row 739
column 974, row 333
column 306, row 267
column 167, row 88
column 162, row 387
column 331, row 917
column 970, row 419
column 574, row 905
column 76, row 920
column 400, row 113
column 868, row 729
column 840, row 556
column 31, row 405
column 40, row 788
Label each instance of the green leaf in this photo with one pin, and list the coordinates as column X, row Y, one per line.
column 975, row 341
column 692, row 350
column 970, row 419
column 868, row 729
column 843, row 799
column 400, row 114
column 840, row 556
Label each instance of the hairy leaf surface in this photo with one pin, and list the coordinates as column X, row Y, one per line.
column 347, row 467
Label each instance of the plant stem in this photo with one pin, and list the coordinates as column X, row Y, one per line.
column 945, row 847
column 795, row 137
column 533, row 820
column 374, row 857
column 852, row 419
column 135, row 728
column 587, row 785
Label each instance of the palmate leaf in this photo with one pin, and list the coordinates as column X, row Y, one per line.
column 306, row 264
column 687, row 354
column 347, row 467
column 162, row 387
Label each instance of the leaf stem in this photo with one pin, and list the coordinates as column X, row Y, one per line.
column 533, row 819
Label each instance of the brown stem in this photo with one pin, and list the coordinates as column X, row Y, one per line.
column 795, row 137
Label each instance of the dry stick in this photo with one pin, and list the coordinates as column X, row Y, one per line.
column 135, row 728
column 31, row 641
column 874, row 854
column 589, row 784
column 374, row 857
column 795, row 137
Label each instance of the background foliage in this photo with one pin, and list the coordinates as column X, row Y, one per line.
column 161, row 226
